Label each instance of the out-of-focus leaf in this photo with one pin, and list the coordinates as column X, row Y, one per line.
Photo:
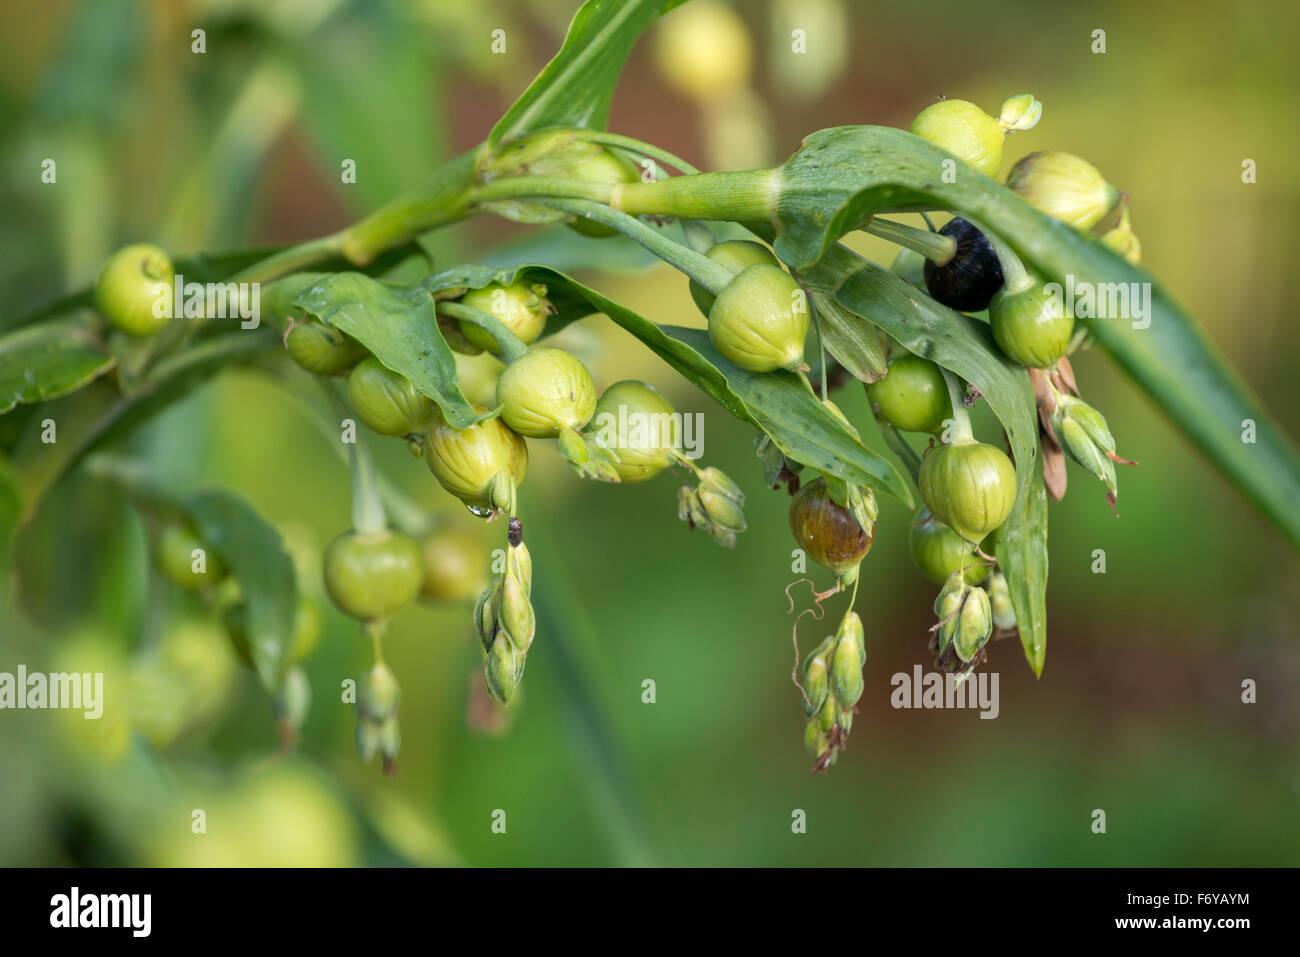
column 91, row 419
column 244, row 541
column 89, row 80
column 577, row 86
column 49, row 360
column 256, row 557
column 385, row 120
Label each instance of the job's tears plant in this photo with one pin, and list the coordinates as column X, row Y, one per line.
column 917, row 336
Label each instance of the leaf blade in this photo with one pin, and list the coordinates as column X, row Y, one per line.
column 254, row 552
column 48, row 361
column 397, row 324
column 577, row 86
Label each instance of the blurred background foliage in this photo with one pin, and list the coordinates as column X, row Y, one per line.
column 1138, row 711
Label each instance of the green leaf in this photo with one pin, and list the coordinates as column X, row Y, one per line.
column 577, row 86
column 965, row 347
column 244, row 541
column 853, row 343
column 840, row 177
column 256, row 557
column 398, row 325
column 1022, row 555
column 778, row 403
column 91, row 419
column 49, row 360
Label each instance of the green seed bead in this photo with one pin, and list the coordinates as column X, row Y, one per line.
column 486, row 613
column 639, row 425
column 913, row 395
column 466, row 461
column 814, row 739
column 1031, row 326
column 969, row 487
column 454, row 559
column 965, row 131
column 545, row 391
column 386, row 401
column 851, row 627
column 134, row 285
column 520, row 307
column 760, row 320
column 829, row 712
column 939, row 552
column 371, row 577
column 185, row 561
column 322, row 349
column 1064, row 186
column 735, row 255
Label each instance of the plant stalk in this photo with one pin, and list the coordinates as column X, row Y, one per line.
column 962, row 432
column 511, row 346
column 933, row 246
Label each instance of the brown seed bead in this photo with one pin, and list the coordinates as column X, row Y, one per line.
column 827, row 531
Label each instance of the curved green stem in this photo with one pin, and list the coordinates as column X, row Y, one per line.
column 709, row 274
column 636, row 146
column 368, row 516
column 962, row 431
column 293, row 259
column 681, row 459
column 937, row 248
column 511, row 346
column 439, row 201
column 375, row 632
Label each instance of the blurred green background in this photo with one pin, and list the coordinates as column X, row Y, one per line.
column 1138, row 712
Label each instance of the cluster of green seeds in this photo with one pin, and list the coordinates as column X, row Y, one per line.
column 758, row 316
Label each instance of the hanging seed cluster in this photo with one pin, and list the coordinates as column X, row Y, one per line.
column 758, row 314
